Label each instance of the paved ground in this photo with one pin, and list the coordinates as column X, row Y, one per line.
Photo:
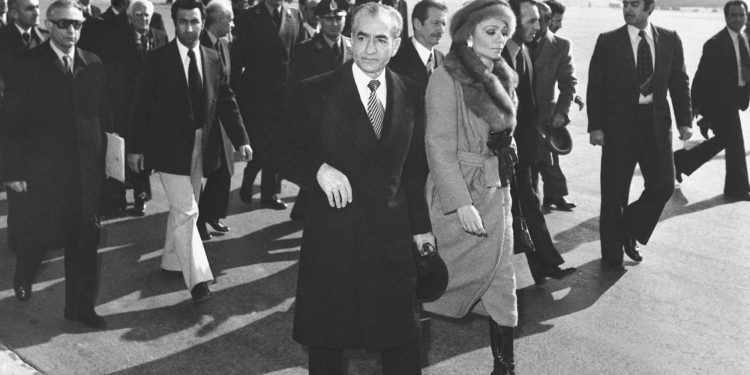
column 682, row 311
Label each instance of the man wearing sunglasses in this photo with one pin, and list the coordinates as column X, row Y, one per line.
column 54, row 161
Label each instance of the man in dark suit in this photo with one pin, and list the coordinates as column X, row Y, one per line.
column 553, row 66
column 115, row 18
column 54, row 158
column 179, row 98
column 721, row 88
column 267, row 35
column 546, row 260
column 22, row 34
column 352, row 140
column 326, row 51
column 123, row 57
column 311, row 24
column 631, row 70
column 212, row 205
column 89, row 10
column 417, row 56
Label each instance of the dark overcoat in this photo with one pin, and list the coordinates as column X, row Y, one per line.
column 314, row 57
column 356, row 285
column 54, row 141
column 408, row 63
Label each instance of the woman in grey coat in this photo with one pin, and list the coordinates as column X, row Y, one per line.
column 471, row 95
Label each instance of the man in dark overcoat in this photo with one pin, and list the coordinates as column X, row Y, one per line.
column 326, row 51
column 631, row 71
column 267, row 35
column 54, row 153
column 721, row 88
column 352, row 139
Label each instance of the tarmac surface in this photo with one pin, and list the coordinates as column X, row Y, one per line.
column 683, row 310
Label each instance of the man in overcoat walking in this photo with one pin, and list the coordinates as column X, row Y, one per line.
column 353, row 140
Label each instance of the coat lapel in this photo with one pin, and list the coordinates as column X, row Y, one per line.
column 345, row 101
column 397, row 123
column 210, row 72
column 625, row 49
column 660, row 49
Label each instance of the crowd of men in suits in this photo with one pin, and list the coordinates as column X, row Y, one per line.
column 216, row 90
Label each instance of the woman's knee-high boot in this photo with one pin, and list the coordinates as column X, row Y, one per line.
column 501, row 342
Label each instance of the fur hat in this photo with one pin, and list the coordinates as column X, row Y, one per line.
column 476, row 11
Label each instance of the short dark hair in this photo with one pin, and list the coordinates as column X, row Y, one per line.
column 421, row 8
column 732, row 3
column 188, row 5
column 516, row 6
column 60, row 4
column 556, row 6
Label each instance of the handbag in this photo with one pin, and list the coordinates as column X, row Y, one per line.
column 432, row 273
column 522, row 242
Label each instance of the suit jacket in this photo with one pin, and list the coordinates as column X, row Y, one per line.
column 162, row 123
column 123, row 64
column 11, row 46
column 612, row 95
column 122, row 43
column 261, row 55
column 223, row 49
column 314, row 57
column 715, row 83
column 527, row 138
column 53, row 133
column 95, row 12
column 553, row 64
column 356, row 284
column 408, row 63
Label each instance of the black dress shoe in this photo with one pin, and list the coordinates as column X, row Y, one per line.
column 561, row 203
column 274, row 204
column 203, row 231
column 737, row 197
column 246, row 195
column 23, row 291
column 630, row 246
column 92, row 320
column 217, row 225
column 201, row 292
column 139, row 208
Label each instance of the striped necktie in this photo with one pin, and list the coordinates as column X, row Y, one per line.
column 375, row 109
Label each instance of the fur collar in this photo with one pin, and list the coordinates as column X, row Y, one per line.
column 490, row 95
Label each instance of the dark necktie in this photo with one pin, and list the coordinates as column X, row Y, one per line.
column 430, row 65
column 68, row 66
column 277, row 18
column 744, row 59
column 520, row 64
column 645, row 66
column 26, row 40
column 218, row 48
column 375, row 109
column 195, row 89
column 145, row 43
column 336, row 50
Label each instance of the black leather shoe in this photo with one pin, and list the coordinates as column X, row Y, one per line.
column 217, row 225
column 246, row 195
column 92, row 320
column 203, row 231
column 139, row 208
column 201, row 292
column 274, row 204
column 630, row 246
column 558, row 273
column 23, row 291
column 561, row 203
column 737, row 197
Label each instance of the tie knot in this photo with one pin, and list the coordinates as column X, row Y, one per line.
column 642, row 34
column 191, row 55
column 26, row 37
column 373, row 85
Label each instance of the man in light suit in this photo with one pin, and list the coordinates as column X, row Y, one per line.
column 179, row 98
column 215, row 194
column 267, row 36
column 631, row 71
column 417, row 57
column 553, row 64
column 352, row 140
column 54, row 157
column 326, row 51
column 546, row 260
column 721, row 88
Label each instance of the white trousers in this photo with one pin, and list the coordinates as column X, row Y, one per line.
column 183, row 248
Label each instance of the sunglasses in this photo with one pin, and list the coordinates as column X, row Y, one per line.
column 65, row 24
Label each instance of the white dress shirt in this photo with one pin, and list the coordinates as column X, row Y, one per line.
column 735, row 42
column 635, row 39
column 186, row 60
column 361, row 80
column 423, row 52
column 60, row 55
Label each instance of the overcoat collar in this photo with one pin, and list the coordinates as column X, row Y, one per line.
column 81, row 60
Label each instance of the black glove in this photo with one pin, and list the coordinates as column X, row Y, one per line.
column 507, row 160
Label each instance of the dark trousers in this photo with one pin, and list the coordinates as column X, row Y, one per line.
column 727, row 136
column 546, row 255
column 618, row 219
column 555, row 184
column 214, row 198
column 269, row 179
column 300, row 204
column 113, row 193
column 403, row 360
column 81, row 266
